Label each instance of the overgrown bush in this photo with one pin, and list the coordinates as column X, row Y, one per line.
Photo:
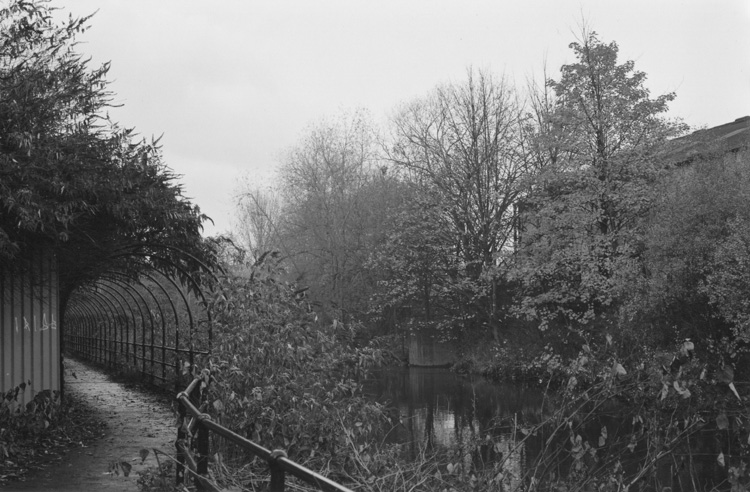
column 45, row 426
column 630, row 422
column 18, row 421
column 284, row 379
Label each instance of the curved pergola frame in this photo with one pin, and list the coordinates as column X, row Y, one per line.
column 119, row 318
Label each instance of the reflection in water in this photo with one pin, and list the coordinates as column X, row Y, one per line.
column 438, row 408
column 475, row 419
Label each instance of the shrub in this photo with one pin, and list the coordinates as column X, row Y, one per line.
column 284, row 379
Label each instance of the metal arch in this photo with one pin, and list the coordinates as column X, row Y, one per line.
column 104, row 301
column 182, row 270
column 191, row 320
column 161, row 315
column 89, row 339
column 83, row 327
column 176, row 324
column 119, row 298
column 81, row 322
column 197, row 287
column 77, row 322
column 113, row 294
column 130, row 286
column 109, row 296
column 107, row 300
column 132, row 251
column 143, row 324
column 125, row 340
column 106, row 348
column 130, row 289
column 99, row 299
column 163, row 332
column 135, row 323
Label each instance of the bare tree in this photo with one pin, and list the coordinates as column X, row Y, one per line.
column 334, row 195
column 463, row 144
column 258, row 211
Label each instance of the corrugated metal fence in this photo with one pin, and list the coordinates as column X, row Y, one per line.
column 29, row 330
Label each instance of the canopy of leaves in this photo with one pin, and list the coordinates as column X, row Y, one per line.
column 599, row 139
column 70, row 178
column 285, row 379
column 417, row 265
column 696, row 248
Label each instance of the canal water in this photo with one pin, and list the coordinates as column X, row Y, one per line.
column 469, row 416
column 440, row 409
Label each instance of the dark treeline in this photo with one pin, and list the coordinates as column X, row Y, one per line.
column 557, row 215
column 569, row 234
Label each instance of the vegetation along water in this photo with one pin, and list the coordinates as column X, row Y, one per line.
column 567, row 238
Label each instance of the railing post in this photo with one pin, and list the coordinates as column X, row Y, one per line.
column 277, row 473
column 180, row 444
column 199, row 397
column 202, row 451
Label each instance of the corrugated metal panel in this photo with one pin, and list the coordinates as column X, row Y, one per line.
column 29, row 331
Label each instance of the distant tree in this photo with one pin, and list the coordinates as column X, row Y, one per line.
column 597, row 138
column 462, row 146
column 258, row 213
column 71, row 179
column 335, row 196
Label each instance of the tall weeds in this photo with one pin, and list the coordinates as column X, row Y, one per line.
column 633, row 422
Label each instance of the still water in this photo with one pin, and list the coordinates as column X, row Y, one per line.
column 440, row 407
column 442, row 410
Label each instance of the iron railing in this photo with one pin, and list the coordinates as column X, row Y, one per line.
column 193, row 435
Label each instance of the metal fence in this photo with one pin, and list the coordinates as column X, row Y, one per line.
column 146, row 324
column 193, row 436
column 149, row 324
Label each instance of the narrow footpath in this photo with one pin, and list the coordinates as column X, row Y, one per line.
column 135, row 420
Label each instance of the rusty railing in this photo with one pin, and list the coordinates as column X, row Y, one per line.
column 193, row 434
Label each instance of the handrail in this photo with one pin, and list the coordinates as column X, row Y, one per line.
column 277, row 460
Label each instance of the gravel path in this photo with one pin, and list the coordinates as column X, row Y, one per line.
column 135, row 420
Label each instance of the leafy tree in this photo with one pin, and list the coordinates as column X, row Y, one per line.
column 598, row 140
column 728, row 280
column 286, row 379
column 417, row 263
column 70, row 178
column 695, row 249
column 462, row 147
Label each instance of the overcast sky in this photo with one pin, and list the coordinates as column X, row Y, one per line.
column 232, row 84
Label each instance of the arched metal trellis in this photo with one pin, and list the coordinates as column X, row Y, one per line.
column 144, row 323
